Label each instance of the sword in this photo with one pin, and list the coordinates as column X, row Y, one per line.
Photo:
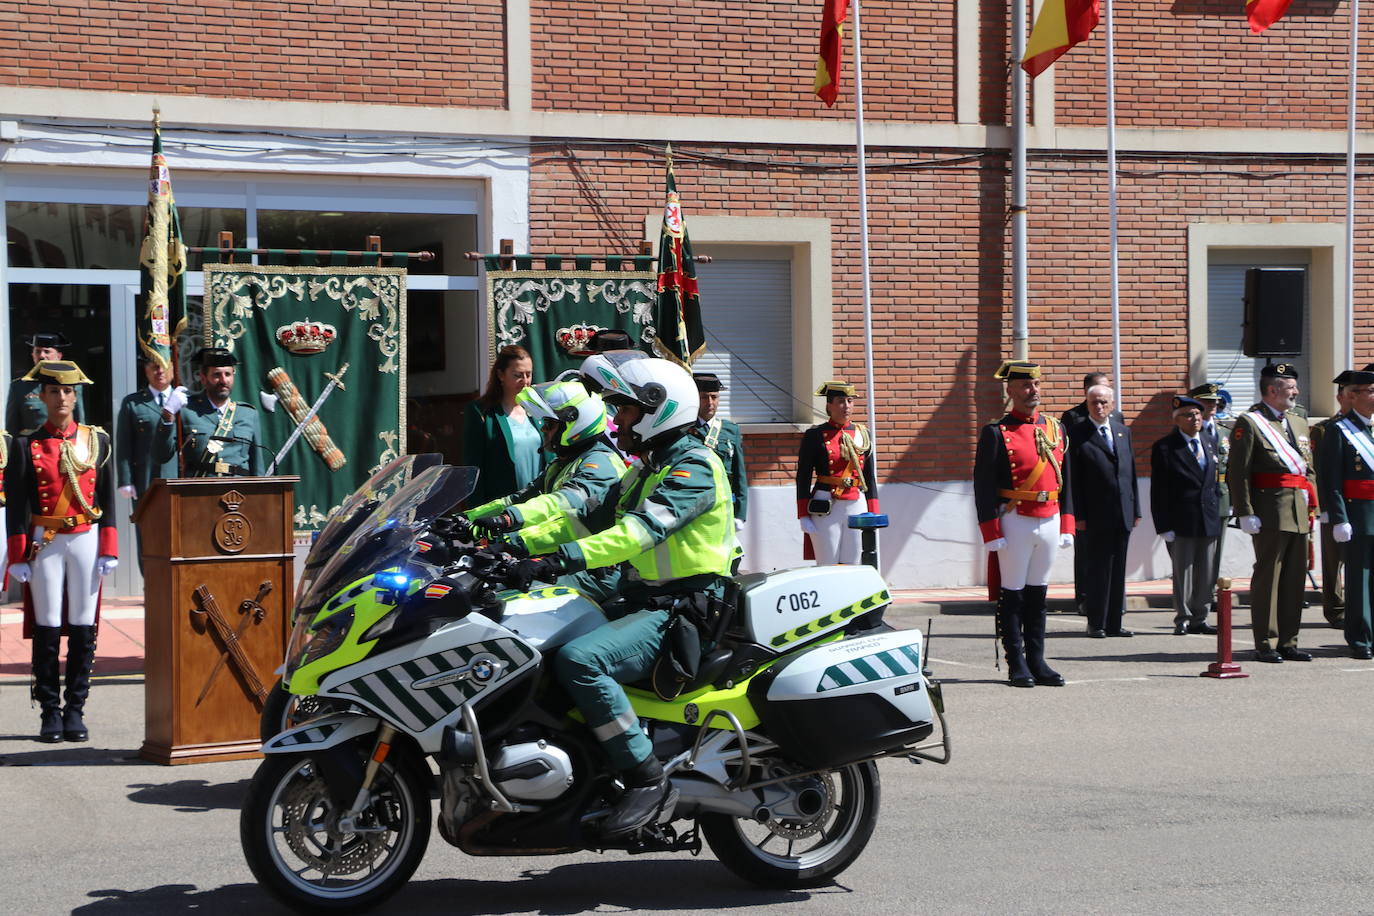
column 210, row 608
column 253, row 612
column 335, row 381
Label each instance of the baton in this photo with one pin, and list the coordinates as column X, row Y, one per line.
column 335, row 381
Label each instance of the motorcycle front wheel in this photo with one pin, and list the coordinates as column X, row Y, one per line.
column 289, row 828
column 282, row 710
column 795, row 853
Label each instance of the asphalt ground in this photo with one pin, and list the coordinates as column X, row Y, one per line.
column 1138, row 788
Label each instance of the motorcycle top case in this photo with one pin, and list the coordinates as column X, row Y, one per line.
column 847, row 701
column 796, row 605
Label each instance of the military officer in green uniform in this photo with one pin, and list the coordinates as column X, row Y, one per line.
column 1345, row 475
column 672, row 540
column 24, row 408
column 220, row 435
column 1273, row 492
column 1333, row 559
column 1216, row 432
column 724, row 437
column 145, row 447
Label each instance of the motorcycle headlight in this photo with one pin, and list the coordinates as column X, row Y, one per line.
column 323, row 637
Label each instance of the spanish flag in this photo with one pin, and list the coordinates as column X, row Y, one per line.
column 1264, row 13
column 1060, row 25
column 833, row 15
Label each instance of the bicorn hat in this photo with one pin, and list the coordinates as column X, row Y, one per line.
column 57, row 372
column 1014, row 369
column 836, row 388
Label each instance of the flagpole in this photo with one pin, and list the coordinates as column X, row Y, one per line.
column 1111, row 205
column 1350, row 185
column 863, row 240
column 1020, row 324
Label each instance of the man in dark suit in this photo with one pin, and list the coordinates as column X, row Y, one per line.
column 1333, row 551
column 1184, row 494
column 1216, row 433
column 145, row 447
column 1069, row 419
column 1102, row 475
column 1345, row 478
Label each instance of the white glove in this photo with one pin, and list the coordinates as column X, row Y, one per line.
column 1065, row 540
column 21, row 571
column 808, row 526
column 995, row 545
column 1168, row 536
column 1250, row 524
column 175, row 400
column 106, row 565
column 1342, row 533
column 1324, row 518
column 128, row 491
column 739, row 524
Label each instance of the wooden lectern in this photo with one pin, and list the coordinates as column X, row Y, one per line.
column 218, row 592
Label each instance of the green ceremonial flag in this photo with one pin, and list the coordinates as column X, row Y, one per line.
column 161, row 262
column 678, row 316
column 297, row 330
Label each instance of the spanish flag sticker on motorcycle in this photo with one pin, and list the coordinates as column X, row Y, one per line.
column 438, row 590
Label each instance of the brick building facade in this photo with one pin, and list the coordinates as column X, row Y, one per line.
column 545, row 122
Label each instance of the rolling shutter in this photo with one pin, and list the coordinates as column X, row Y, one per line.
column 746, row 307
column 1226, row 363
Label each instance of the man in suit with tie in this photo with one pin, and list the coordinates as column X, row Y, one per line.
column 1333, row 552
column 1345, row 476
column 1274, row 494
column 1069, row 419
column 1184, row 494
column 1102, row 475
column 144, row 446
column 1217, row 434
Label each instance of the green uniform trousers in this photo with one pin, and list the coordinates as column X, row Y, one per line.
column 592, row 668
column 1359, row 556
column 1333, row 589
column 1276, row 588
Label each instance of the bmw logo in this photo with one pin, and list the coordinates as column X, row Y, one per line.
column 484, row 668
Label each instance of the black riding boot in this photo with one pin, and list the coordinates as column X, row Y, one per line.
column 647, row 793
column 1033, row 624
column 1009, row 628
column 80, row 658
column 47, row 686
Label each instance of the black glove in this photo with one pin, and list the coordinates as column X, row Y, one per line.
column 498, row 524
column 455, row 527
column 536, row 569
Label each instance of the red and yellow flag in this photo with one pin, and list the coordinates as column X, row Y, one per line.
column 1264, row 13
column 833, row 15
column 1060, row 25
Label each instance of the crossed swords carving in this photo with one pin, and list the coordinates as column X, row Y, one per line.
column 253, row 612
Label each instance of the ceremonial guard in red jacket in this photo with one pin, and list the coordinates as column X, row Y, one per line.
column 1024, row 513
column 62, row 542
column 835, row 479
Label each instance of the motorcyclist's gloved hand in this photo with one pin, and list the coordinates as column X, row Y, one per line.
column 499, row 523
column 535, row 569
column 456, row 527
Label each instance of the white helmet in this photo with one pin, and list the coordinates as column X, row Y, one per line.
column 663, row 390
column 582, row 415
column 595, row 369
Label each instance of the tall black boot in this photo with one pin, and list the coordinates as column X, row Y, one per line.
column 80, row 658
column 47, row 686
column 1033, row 625
column 1009, row 628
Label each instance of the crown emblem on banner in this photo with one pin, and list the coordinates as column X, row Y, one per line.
column 577, row 340
column 306, row 338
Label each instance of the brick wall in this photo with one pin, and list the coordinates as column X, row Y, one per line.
column 941, row 272
column 402, row 52
column 747, row 58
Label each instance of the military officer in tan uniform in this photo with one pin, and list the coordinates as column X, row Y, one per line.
column 1274, row 495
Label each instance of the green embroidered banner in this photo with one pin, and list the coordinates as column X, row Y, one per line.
column 553, row 313
column 297, row 329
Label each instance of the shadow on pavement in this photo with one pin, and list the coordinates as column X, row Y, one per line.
column 193, row 796
column 67, row 755
column 637, row 886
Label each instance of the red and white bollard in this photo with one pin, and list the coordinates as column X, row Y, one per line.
column 1224, row 666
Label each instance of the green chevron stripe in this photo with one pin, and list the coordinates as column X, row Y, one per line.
column 831, row 619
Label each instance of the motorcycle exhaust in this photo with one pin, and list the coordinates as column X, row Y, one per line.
column 698, row 795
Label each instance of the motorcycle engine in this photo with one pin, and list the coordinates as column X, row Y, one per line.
column 532, row 771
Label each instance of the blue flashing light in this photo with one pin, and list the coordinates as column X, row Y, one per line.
column 868, row 520
column 392, row 580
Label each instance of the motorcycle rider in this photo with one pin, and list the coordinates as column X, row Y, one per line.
column 578, row 491
column 674, row 531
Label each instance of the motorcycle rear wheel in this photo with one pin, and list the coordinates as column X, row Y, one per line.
column 288, row 828
column 802, row 854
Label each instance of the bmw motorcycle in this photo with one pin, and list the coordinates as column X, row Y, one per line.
column 434, row 681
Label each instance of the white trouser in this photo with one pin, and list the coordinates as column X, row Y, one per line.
column 834, row 540
column 68, row 560
column 1029, row 554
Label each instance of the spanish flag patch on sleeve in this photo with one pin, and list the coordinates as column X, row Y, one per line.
column 681, row 473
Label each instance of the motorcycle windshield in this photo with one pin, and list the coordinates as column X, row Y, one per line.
column 386, row 537
column 382, row 485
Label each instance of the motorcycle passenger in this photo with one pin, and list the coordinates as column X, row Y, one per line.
column 674, row 531
column 577, row 493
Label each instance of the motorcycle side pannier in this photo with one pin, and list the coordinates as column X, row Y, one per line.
column 846, row 701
